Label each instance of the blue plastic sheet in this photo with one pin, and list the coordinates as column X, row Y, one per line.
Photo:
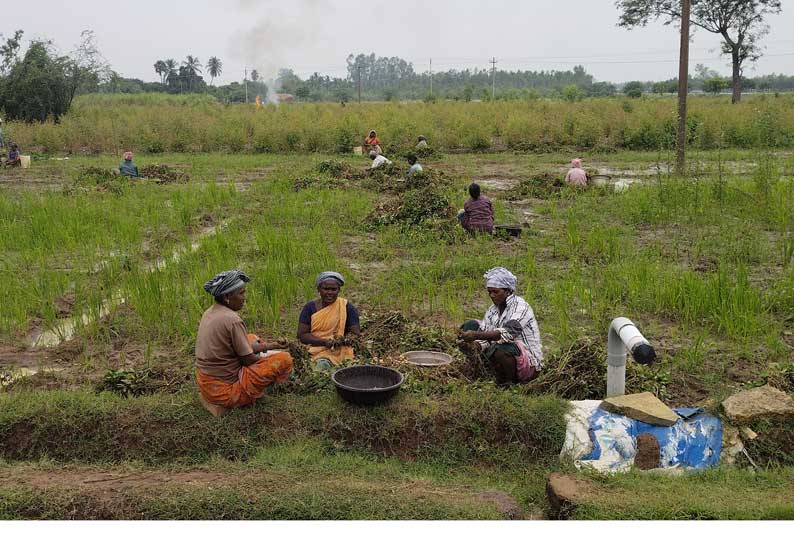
column 693, row 443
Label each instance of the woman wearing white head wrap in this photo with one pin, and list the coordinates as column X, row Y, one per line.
column 329, row 324
column 508, row 337
column 231, row 369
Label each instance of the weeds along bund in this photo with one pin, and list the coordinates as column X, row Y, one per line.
column 161, row 123
column 703, row 264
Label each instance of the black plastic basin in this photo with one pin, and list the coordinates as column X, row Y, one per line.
column 367, row 385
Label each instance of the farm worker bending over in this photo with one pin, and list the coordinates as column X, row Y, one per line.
column 477, row 215
column 576, row 176
column 14, row 158
column 127, row 168
column 232, row 370
column 508, row 337
column 328, row 324
column 372, row 143
column 422, row 143
column 416, row 167
column 378, row 160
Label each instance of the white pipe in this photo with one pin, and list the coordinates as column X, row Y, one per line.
column 623, row 335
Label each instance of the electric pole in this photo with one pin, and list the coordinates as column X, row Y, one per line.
column 359, row 84
column 493, row 70
column 431, row 77
column 245, row 80
column 683, row 88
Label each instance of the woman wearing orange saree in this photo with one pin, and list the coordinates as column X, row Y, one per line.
column 234, row 368
column 327, row 325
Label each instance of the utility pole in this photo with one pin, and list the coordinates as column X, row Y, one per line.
column 493, row 70
column 683, row 88
column 431, row 77
column 245, row 80
column 359, row 84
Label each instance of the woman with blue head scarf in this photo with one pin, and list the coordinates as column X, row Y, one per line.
column 234, row 368
column 328, row 324
column 508, row 337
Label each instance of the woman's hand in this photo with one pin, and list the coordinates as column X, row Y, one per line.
column 468, row 336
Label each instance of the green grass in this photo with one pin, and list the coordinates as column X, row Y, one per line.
column 723, row 494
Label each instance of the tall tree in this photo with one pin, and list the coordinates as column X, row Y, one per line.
column 739, row 22
column 191, row 67
column 254, row 76
column 9, row 51
column 214, row 68
column 161, row 69
column 38, row 87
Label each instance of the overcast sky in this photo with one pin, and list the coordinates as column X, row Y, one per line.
column 317, row 35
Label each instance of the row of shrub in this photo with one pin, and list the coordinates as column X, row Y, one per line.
column 600, row 124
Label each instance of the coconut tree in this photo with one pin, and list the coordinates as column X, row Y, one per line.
column 214, row 68
column 161, row 69
column 192, row 67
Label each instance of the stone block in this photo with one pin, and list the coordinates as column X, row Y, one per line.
column 644, row 407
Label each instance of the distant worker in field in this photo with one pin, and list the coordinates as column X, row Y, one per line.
column 14, row 158
column 477, row 215
column 372, row 143
column 127, row 168
column 576, row 176
column 416, row 167
column 329, row 324
column 378, row 161
column 234, row 368
column 508, row 338
column 422, row 143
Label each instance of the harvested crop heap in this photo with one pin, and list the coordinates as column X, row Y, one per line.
column 100, row 179
column 577, row 373
column 413, row 208
column 339, row 170
column 544, row 185
column 305, row 183
column 390, row 332
column 163, row 174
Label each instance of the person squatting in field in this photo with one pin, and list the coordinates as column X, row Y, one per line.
column 14, row 157
column 508, row 337
column 378, row 160
column 233, row 367
column 477, row 215
column 576, row 176
column 416, row 167
column 329, row 324
column 372, row 143
column 128, row 168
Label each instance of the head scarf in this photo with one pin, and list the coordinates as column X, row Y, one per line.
column 329, row 275
column 499, row 277
column 226, row 282
column 128, row 155
column 576, row 162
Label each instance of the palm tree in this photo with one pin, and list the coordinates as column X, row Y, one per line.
column 161, row 69
column 171, row 66
column 214, row 68
column 192, row 66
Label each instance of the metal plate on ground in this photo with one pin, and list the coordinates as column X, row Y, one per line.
column 428, row 359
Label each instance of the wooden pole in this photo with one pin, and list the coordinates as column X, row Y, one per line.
column 683, row 89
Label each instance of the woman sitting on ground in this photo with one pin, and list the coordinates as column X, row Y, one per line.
column 14, row 158
column 127, row 168
column 508, row 337
column 234, row 367
column 477, row 215
column 372, row 143
column 576, row 176
column 329, row 324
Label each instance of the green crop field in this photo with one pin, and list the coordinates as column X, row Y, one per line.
column 102, row 295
